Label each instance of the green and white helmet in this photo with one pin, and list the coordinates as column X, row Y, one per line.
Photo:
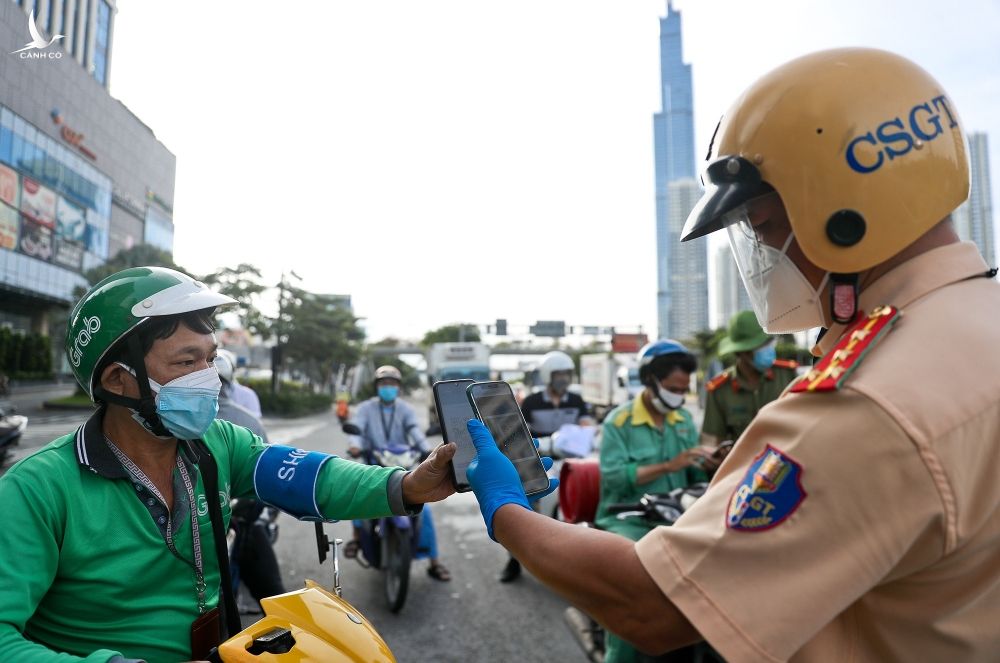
column 119, row 304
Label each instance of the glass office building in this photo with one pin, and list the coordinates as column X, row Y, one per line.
column 81, row 177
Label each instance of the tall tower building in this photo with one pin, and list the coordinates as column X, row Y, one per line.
column 730, row 294
column 687, row 280
column 974, row 218
column 673, row 132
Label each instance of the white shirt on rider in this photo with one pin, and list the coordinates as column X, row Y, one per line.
column 382, row 424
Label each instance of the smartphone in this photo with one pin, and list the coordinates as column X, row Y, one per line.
column 454, row 411
column 495, row 406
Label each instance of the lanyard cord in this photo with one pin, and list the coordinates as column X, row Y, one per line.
column 139, row 475
column 392, row 419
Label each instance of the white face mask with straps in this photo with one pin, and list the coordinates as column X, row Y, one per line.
column 664, row 400
column 782, row 297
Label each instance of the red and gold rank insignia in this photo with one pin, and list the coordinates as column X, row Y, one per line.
column 831, row 371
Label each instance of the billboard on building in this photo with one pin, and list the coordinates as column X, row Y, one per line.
column 36, row 239
column 68, row 254
column 10, row 188
column 70, row 224
column 97, row 234
column 9, row 222
column 38, row 202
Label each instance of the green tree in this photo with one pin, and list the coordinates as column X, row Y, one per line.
column 243, row 283
column 140, row 255
column 318, row 334
column 452, row 334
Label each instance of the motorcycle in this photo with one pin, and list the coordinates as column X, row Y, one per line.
column 253, row 531
column 389, row 543
column 309, row 625
column 11, row 427
column 579, row 488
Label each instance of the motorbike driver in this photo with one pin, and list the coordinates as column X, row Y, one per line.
column 856, row 517
column 107, row 548
column 546, row 411
column 253, row 550
column 386, row 418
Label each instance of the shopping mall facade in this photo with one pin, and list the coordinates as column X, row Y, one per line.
column 81, row 177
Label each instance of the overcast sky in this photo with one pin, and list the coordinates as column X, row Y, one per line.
column 462, row 160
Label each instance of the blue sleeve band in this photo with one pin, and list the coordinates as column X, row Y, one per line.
column 286, row 477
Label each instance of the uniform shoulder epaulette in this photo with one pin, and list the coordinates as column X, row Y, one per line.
column 717, row 381
column 786, row 363
column 832, row 370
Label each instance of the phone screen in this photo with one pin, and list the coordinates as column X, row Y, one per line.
column 454, row 411
column 497, row 408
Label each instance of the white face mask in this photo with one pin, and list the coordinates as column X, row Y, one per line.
column 666, row 401
column 782, row 297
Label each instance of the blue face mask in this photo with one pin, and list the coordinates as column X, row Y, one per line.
column 763, row 358
column 388, row 393
column 186, row 406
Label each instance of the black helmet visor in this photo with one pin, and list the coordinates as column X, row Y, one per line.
column 729, row 182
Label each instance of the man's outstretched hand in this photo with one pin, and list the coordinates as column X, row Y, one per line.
column 431, row 481
column 493, row 477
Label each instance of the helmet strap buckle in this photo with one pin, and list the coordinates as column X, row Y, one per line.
column 844, row 297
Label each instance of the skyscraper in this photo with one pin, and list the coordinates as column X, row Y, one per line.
column 974, row 218
column 731, row 294
column 681, row 295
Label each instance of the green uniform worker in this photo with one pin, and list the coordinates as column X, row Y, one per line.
column 649, row 445
column 736, row 395
column 107, row 551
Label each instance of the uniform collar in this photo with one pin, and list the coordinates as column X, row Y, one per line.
column 94, row 454
column 737, row 384
column 641, row 414
column 913, row 279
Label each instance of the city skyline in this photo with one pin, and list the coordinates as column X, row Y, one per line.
column 418, row 134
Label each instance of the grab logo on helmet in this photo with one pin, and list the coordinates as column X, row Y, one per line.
column 897, row 141
column 91, row 326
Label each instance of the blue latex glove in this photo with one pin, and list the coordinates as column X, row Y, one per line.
column 493, row 477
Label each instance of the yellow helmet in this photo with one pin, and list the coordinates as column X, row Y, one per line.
column 864, row 147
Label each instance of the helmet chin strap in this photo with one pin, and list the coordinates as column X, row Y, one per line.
column 145, row 405
column 843, row 297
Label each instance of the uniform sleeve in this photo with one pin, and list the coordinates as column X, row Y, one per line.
column 411, row 428
column 618, row 468
column 713, row 424
column 340, row 489
column 29, row 555
column 820, row 499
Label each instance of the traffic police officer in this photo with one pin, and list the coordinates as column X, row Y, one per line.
column 736, row 395
column 858, row 517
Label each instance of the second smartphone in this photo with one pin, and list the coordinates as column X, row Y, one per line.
column 496, row 407
column 454, row 411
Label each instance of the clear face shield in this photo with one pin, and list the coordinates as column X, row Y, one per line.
column 782, row 297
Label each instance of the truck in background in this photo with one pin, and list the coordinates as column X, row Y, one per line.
column 608, row 380
column 455, row 361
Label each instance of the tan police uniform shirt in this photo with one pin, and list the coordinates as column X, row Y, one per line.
column 892, row 552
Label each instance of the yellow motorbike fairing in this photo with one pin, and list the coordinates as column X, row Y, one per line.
column 325, row 628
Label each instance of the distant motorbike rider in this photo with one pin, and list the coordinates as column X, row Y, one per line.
column 546, row 411
column 240, row 394
column 253, row 554
column 385, row 419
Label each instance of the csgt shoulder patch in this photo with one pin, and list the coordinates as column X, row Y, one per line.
column 770, row 491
